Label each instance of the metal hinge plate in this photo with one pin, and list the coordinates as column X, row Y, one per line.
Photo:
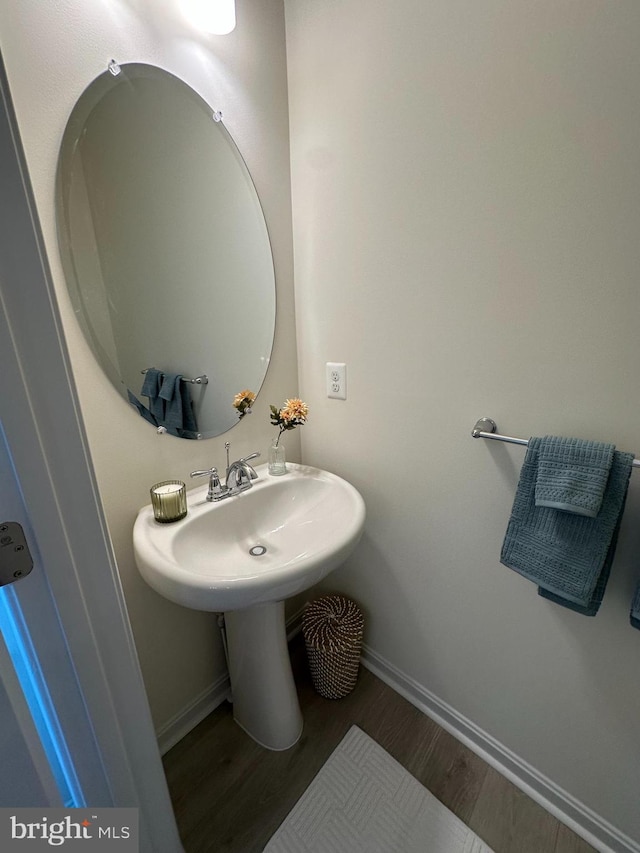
column 15, row 558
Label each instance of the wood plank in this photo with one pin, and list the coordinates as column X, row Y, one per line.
column 509, row 821
column 454, row 774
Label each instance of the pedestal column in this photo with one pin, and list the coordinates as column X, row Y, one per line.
column 265, row 701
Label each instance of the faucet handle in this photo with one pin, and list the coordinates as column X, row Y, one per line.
column 210, row 472
column 216, row 489
column 245, row 462
column 214, row 479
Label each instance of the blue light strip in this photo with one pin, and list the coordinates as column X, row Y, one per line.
column 27, row 666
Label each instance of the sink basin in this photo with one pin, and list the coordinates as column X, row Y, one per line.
column 243, row 556
column 271, row 542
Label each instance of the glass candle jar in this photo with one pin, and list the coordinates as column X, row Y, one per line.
column 169, row 501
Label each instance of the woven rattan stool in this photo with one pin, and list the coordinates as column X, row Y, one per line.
column 332, row 627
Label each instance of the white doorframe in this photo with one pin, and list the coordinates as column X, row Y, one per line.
column 46, row 439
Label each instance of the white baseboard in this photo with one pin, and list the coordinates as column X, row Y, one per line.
column 195, row 712
column 570, row 811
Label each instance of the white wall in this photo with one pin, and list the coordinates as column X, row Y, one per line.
column 52, row 52
column 466, row 232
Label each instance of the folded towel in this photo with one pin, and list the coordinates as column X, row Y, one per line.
column 171, row 392
column 567, row 555
column 151, row 389
column 634, row 616
column 572, row 474
column 179, row 417
column 189, row 422
column 593, row 605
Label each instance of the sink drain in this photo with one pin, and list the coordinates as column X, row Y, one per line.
column 257, row 550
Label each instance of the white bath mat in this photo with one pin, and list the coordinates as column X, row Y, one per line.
column 363, row 801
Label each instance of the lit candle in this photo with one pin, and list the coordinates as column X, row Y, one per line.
column 169, row 501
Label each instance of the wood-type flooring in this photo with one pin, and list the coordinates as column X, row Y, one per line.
column 230, row 795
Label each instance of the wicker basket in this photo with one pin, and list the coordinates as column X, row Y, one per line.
column 332, row 627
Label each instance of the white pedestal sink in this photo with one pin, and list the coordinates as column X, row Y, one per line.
column 244, row 556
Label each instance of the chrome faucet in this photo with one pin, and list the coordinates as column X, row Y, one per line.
column 237, row 479
column 240, row 474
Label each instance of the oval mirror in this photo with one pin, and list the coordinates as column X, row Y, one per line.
column 165, row 249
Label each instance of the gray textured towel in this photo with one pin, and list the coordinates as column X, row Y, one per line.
column 567, row 555
column 171, row 392
column 572, row 474
column 151, row 389
column 179, row 417
column 593, row 605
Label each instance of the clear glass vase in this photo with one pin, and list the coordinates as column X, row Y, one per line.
column 277, row 459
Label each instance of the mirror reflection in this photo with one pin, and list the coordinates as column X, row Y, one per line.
column 165, row 250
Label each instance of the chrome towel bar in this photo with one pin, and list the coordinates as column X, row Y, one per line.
column 486, row 428
column 199, row 380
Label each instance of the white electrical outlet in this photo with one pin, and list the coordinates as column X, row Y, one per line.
column 336, row 380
